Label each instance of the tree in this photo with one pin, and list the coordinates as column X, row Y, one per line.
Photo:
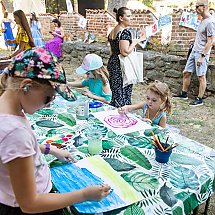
column 148, row 3
column 55, row 6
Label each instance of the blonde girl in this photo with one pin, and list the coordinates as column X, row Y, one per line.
column 97, row 78
column 25, row 179
column 157, row 104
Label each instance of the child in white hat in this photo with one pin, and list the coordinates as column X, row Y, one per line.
column 97, row 78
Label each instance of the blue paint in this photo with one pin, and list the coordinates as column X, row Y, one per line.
column 95, row 104
column 69, row 178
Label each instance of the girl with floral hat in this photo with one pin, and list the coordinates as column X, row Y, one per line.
column 25, row 180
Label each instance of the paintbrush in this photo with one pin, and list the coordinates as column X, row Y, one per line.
column 157, row 141
column 121, row 110
column 166, row 142
column 168, row 148
column 71, row 160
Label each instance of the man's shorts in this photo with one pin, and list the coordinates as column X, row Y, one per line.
column 191, row 65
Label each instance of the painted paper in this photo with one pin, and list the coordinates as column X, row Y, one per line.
column 166, row 26
column 164, row 21
column 120, row 124
column 82, row 22
column 190, row 20
column 94, row 171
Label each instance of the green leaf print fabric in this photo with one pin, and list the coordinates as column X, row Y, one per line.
column 176, row 187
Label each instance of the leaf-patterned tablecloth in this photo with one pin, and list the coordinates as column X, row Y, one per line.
column 175, row 188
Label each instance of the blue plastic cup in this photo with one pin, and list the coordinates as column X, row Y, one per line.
column 162, row 157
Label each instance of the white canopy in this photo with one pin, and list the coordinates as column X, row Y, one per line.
column 28, row 6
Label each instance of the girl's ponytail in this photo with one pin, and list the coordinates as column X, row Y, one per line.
column 103, row 73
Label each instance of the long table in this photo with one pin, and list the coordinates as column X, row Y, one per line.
column 4, row 63
column 177, row 187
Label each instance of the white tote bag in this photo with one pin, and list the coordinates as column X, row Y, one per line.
column 132, row 68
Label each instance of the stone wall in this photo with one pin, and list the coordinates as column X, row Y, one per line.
column 157, row 66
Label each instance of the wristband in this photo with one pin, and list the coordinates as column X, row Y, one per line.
column 47, row 149
column 203, row 55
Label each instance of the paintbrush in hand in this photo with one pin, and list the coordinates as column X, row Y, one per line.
column 121, row 110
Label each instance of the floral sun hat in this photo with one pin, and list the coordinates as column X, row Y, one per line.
column 38, row 63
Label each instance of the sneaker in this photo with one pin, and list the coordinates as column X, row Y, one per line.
column 196, row 102
column 181, row 95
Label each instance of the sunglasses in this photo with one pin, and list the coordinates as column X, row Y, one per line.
column 197, row 6
column 49, row 99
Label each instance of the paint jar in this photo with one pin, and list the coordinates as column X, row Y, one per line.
column 94, row 142
column 162, row 157
column 82, row 110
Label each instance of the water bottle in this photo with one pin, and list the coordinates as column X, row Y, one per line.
column 82, row 110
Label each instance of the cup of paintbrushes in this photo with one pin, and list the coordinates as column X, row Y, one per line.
column 162, row 156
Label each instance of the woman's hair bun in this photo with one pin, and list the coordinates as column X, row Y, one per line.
column 115, row 10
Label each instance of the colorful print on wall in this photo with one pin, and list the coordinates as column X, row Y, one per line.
column 94, row 171
column 190, row 20
column 164, row 21
column 121, row 124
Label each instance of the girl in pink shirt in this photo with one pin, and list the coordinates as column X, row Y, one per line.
column 25, row 182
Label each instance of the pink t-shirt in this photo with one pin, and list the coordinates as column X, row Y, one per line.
column 17, row 140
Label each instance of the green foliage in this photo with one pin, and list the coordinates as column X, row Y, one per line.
column 119, row 165
column 183, row 178
column 55, row 6
column 48, row 124
column 67, row 118
column 148, row 3
column 186, row 160
column 167, row 196
column 133, row 209
column 190, row 201
column 155, row 44
column 46, row 111
column 83, row 149
column 107, row 144
column 141, row 181
column 135, row 155
column 140, row 142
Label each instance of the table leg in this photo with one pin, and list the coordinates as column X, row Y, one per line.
column 207, row 206
column 195, row 211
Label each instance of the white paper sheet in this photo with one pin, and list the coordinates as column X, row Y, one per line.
column 120, row 124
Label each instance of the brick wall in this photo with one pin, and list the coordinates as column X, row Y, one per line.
column 69, row 24
column 99, row 21
column 180, row 35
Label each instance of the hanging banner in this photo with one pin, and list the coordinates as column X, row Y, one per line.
column 152, row 29
column 190, row 20
column 82, row 22
column 166, row 34
column 164, row 21
column 69, row 6
column 166, row 28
